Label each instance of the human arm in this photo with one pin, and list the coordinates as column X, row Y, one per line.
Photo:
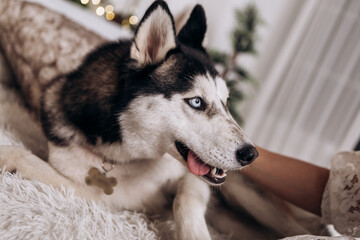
column 293, row 180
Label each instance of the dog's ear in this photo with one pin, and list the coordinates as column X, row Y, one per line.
column 193, row 32
column 155, row 35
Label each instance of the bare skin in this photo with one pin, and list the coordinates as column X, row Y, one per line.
column 293, row 180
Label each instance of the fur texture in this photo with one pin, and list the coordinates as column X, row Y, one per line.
column 61, row 215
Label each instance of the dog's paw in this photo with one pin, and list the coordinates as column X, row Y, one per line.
column 196, row 233
column 6, row 156
column 13, row 159
column 7, row 169
column 7, row 166
column 192, row 228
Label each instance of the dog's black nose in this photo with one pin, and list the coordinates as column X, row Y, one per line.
column 246, row 155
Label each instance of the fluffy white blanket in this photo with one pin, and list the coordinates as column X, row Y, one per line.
column 32, row 210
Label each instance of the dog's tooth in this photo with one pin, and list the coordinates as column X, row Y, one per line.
column 222, row 175
column 213, row 171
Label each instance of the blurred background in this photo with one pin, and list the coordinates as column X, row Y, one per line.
column 293, row 66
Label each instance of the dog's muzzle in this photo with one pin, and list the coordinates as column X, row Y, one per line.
column 213, row 175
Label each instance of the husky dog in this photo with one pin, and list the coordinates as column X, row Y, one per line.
column 149, row 118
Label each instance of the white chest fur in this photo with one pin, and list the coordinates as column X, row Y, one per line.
column 142, row 185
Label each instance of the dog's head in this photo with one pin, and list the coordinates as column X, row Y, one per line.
column 183, row 109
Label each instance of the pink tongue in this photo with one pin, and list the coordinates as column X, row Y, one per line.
column 196, row 166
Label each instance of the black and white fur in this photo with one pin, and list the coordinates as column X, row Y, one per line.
column 131, row 102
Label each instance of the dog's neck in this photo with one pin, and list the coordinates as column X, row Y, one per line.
column 117, row 154
column 113, row 155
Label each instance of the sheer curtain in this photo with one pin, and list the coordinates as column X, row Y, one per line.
column 309, row 104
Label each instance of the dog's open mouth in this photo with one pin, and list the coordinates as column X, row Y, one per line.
column 196, row 166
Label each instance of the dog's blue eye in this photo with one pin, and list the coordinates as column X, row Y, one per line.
column 196, row 103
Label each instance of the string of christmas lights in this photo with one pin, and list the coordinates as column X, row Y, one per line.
column 102, row 8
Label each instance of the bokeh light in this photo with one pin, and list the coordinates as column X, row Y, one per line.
column 96, row 2
column 100, row 11
column 110, row 16
column 133, row 20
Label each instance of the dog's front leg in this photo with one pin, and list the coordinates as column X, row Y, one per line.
column 13, row 158
column 189, row 209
